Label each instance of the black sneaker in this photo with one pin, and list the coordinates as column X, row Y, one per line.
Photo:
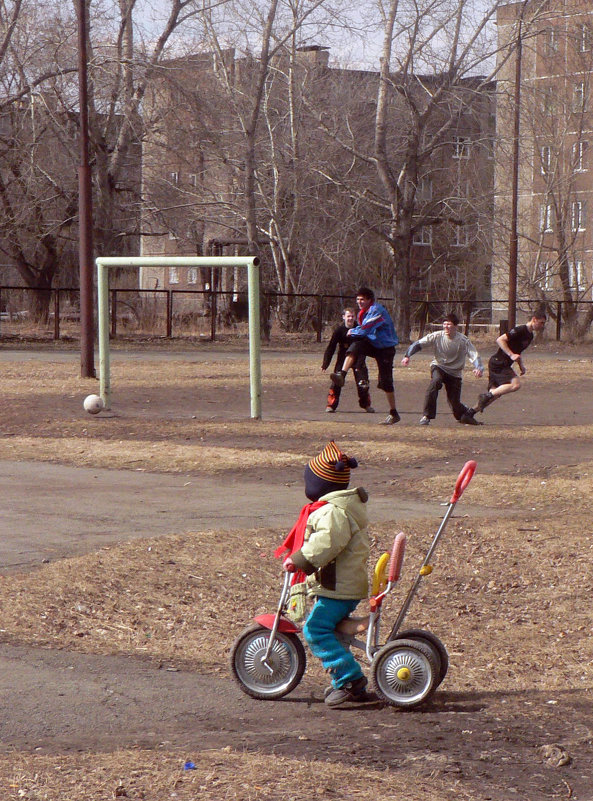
column 391, row 419
column 353, row 691
column 483, row 400
column 469, row 420
column 338, row 378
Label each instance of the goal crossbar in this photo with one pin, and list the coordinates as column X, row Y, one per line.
column 106, row 263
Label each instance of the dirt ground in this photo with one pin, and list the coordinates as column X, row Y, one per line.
column 114, row 647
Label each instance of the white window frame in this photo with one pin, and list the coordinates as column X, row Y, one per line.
column 579, row 155
column 461, row 147
column 192, row 275
column 585, row 38
column 548, row 101
column 461, row 238
column 576, row 273
column 545, row 157
column 173, row 274
column 425, row 188
column 552, row 42
column 423, row 236
column 545, row 218
column 579, row 98
column 545, row 278
column 193, row 179
column 174, row 178
column 577, row 215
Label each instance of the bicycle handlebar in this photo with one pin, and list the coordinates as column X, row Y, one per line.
column 397, row 557
column 463, row 479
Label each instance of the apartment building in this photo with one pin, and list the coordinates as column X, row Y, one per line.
column 192, row 171
column 555, row 176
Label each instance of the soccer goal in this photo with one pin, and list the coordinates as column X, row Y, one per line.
column 106, row 263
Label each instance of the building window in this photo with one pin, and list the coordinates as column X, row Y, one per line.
column 579, row 156
column 174, row 178
column 545, row 158
column 548, row 101
column 424, row 190
column 460, row 147
column 544, row 276
column 585, row 39
column 423, row 236
column 552, row 42
column 192, row 275
column 461, row 236
column 578, row 215
column 193, row 179
column 579, row 98
column 173, row 275
column 576, row 275
column 545, row 218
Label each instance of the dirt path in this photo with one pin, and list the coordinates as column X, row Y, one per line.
column 55, row 701
column 50, row 511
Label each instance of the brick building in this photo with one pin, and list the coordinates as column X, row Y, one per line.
column 192, row 172
column 555, row 180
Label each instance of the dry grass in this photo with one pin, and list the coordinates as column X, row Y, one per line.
column 510, row 593
column 219, row 775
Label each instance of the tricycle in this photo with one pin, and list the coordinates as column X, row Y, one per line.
column 268, row 659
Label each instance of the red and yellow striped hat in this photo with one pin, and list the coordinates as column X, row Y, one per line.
column 333, row 465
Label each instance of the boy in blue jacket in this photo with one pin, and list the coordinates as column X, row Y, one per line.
column 374, row 336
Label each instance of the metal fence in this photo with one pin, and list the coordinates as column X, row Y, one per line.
column 37, row 313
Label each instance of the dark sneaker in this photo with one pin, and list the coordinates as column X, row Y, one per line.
column 424, row 421
column 338, row 378
column 369, row 410
column 483, row 400
column 353, row 691
column 469, row 420
column 390, row 420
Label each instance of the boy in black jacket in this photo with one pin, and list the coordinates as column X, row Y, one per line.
column 341, row 341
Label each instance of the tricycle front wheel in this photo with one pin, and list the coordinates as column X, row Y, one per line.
column 282, row 672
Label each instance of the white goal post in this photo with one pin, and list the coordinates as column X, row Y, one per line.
column 105, row 263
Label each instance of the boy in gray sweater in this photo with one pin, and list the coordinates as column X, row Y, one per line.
column 451, row 348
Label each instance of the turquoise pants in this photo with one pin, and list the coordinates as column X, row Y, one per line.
column 319, row 631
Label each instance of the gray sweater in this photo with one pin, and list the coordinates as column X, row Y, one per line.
column 449, row 354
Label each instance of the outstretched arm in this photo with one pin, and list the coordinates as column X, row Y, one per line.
column 474, row 357
column 414, row 348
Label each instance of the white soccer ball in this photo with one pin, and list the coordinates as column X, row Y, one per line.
column 93, row 404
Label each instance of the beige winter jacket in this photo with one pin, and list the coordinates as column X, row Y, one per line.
column 336, row 548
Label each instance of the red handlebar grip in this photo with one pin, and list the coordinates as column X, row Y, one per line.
column 397, row 557
column 463, row 479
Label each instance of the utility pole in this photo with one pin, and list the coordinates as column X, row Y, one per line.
column 85, row 209
column 514, row 237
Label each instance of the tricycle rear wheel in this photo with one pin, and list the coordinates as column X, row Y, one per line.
column 405, row 672
column 286, row 663
column 430, row 639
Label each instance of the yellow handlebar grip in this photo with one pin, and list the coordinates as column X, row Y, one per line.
column 426, row 570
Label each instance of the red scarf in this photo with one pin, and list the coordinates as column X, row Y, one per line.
column 296, row 537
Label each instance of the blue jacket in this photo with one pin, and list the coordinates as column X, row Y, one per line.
column 377, row 326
